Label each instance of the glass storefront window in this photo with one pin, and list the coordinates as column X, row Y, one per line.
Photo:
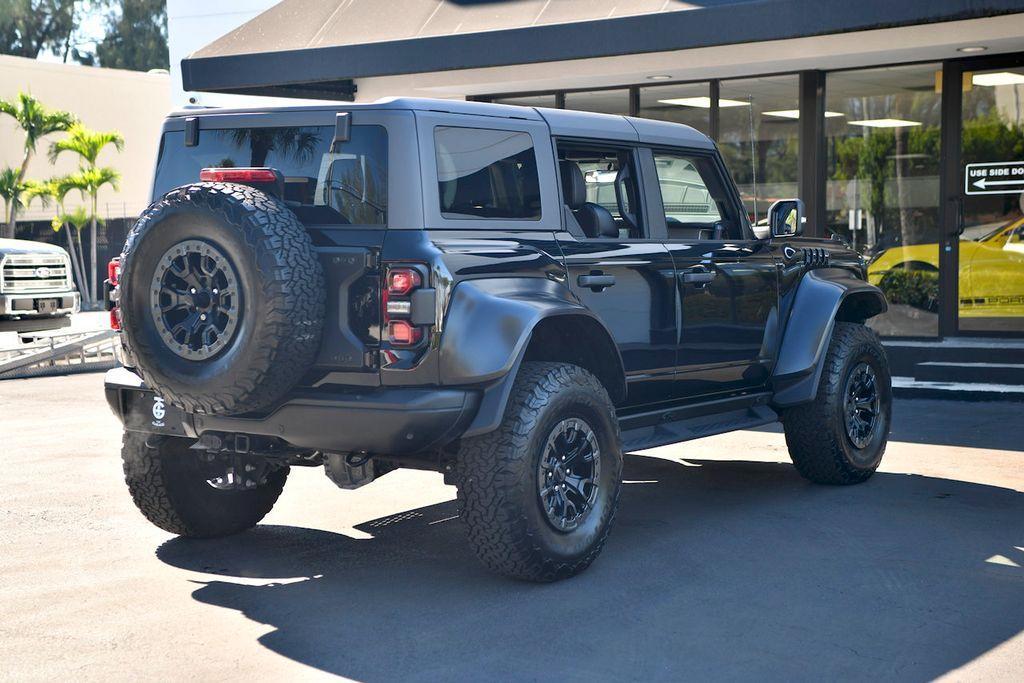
column 758, row 136
column 687, row 103
column 601, row 101
column 528, row 101
column 991, row 277
column 882, row 138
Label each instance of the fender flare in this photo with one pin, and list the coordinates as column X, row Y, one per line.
column 822, row 297
column 487, row 330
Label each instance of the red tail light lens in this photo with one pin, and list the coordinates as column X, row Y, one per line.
column 403, row 333
column 237, row 175
column 114, row 271
column 115, row 319
column 401, row 281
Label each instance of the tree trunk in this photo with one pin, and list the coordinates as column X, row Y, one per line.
column 12, row 221
column 76, row 267
column 81, row 265
column 92, row 253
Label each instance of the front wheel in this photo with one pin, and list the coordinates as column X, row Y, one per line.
column 840, row 437
column 173, row 489
column 539, row 493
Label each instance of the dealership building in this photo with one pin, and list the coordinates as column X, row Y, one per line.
column 900, row 124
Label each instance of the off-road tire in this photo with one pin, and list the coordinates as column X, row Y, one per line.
column 496, row 475
column 171, row 491
column 282, row 298
column 816, row 433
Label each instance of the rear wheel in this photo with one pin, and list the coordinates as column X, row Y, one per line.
column 540, row 492
column 840, row 437
column 175, row 491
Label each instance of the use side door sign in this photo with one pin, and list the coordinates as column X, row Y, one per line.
column 1001, row 177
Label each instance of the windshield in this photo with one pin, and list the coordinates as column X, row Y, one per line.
column 346, row 186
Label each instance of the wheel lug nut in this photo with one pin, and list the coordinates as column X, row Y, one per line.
column 192, row 290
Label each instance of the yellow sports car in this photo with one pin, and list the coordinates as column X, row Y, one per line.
column 991, row 270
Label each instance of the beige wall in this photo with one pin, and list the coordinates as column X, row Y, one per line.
column 131, row 102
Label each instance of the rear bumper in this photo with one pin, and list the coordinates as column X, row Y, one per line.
column 383, row 421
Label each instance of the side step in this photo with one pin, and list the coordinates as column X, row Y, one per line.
column 694, row 421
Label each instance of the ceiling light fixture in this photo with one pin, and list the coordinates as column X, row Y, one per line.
column 659, row 77
column 971, row 49
column 885, row 123
column 998, row 78
column 704, row 102
column 795, row 114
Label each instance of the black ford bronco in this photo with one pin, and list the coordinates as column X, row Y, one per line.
column 512, row 296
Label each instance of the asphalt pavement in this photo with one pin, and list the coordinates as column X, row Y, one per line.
column 723, row 564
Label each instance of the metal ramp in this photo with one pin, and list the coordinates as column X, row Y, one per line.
column 60, row 354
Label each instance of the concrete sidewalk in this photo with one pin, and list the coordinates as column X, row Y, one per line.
column 723, row 564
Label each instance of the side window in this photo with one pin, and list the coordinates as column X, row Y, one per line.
column 600, row 190
column 695, row 199
column 484, row 173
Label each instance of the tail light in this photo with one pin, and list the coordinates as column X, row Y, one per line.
column 400, row 285
column 111, row 294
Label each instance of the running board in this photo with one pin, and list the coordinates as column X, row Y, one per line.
column 694, row 421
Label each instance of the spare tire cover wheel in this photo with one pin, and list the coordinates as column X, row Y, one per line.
column 222, row 298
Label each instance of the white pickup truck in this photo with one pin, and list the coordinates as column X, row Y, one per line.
column 37, row 291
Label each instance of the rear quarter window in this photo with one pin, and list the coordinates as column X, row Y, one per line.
column 485, row 173
column 347, row 186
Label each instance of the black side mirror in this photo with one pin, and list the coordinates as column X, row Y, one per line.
column 786, row 218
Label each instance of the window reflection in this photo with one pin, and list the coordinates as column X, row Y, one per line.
column 758, row 136
column 883, row 185
column 686, row 103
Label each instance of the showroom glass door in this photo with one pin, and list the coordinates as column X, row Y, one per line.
column 990, row 198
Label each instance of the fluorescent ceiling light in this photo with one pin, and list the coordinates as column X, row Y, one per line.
column 659, row 77
column 885, row 123
column 998, row 78
column 795, row 114
column 704, row 102
column 971, row 49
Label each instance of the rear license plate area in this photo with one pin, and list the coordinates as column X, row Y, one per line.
column 144, row 411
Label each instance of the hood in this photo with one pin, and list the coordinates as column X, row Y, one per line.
column 27, row 247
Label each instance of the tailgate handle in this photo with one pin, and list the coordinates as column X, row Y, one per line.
column 596, row 281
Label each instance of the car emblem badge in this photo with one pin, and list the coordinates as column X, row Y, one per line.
column 158, row 411
column 42, row 273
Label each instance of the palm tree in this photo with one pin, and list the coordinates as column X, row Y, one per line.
column 37, row 122
column 57, row 189
column 88, row 144
column 10, row 191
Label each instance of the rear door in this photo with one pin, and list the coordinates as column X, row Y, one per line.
column 726, row 281
column 627, row 279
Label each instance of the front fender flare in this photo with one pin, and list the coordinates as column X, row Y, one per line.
column 823, row 296
column 487, row 330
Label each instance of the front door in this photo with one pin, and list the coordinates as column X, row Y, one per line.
column 990, row 280
column 727, row 282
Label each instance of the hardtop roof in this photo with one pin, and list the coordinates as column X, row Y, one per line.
column 565, row 122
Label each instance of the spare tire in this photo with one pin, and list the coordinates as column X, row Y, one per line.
column 221, row 297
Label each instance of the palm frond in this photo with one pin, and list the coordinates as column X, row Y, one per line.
column 86, row 143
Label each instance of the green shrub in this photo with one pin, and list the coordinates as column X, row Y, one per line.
column 918, row 288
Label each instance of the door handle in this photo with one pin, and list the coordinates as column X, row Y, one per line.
column 699, row 277
column 596, row 281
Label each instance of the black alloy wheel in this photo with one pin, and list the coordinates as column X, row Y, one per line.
column 568, row 474
column 862, row 405
column 195, row 299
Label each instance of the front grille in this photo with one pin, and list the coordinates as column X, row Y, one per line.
column 34, row 273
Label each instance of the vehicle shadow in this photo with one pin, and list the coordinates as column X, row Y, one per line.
column 714, row 569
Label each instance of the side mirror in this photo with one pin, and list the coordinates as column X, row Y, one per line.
column 786, row 218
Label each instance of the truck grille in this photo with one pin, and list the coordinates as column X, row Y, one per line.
column 34, row 273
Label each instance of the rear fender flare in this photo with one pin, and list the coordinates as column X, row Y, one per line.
column 487, row 330
column 823, row 296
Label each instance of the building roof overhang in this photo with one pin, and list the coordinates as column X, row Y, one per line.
column 316, row 49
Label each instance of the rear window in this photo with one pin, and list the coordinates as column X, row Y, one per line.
column 485, row 173
column 347, row 186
